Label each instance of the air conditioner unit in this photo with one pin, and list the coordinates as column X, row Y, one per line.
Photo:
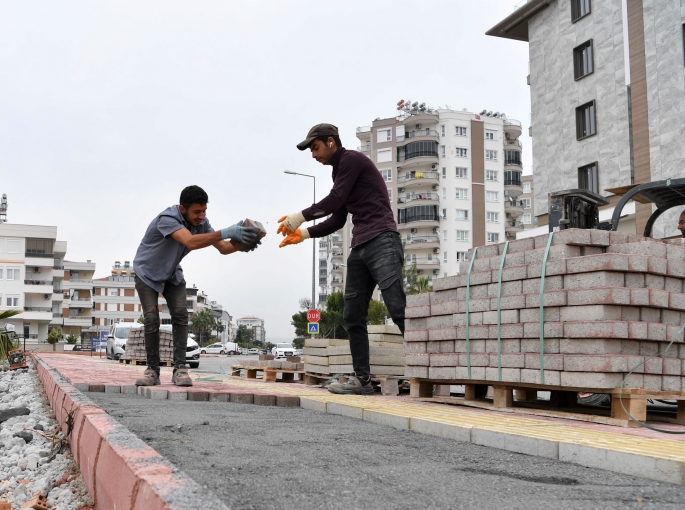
column 36, row 270
column 413, row 231
column 419, row 271
column 401, row 190
column 47, row 296
column 436, row 271
column 434, row 166
column 418, row 126
column 436, row 250
column 435, row 186
column 435, row 230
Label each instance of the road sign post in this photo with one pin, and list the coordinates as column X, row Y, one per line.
column 313, row 316
column 313, row 328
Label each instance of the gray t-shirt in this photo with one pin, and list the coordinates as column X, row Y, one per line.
column 159, row 255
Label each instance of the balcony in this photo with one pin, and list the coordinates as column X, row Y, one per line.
column 38, row 309
column 366, row 149
column 364, row 132
column 417, row 158
column 37, row 313
column 512, row 127
column 78, row 284
column 423, row 263
column 422, row 243
column 57, row 296
column 58, row 267
column 78, row 320
column 414, row 222
column 419, row 197
column 42, row 260
column 513, row 226
column 513, row 207
column 424, row 117
column 419, row 134
column 513, row 187
column 81, row 302
column 56, row 314
column 510, row 142
column 413, row 179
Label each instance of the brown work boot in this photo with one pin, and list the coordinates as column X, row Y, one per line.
column 181, row 377
column 150, row 378
column 353, row 386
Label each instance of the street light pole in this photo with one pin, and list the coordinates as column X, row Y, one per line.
column 313, row 242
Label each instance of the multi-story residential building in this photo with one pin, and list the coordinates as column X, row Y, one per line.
column 527, row 200
column 225, row 319
column 31, row 276
column 607, row 96
column 333, row 252
column 254, row 324
column 77, row 306
column 454, row 179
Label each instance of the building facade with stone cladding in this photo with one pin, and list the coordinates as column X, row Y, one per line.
column 637, row 83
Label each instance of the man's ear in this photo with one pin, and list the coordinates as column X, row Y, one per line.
column 331, row 142
column 182, row 209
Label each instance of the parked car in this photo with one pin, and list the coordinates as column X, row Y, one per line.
column 118, row 335
column 253, row 351
column 192, row 353
column 283, row 350
column 217, row 348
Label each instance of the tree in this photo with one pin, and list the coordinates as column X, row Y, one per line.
column 243, row 336
column 331, row 324
column 203, row 323
column 54, row 336
column 410, row 275
column 299, row 320
column 8, row 339
column 298, row 343
column 269, row 346
column 377, row 313
column 423, row 286
column 141, row 320
column 71, row 339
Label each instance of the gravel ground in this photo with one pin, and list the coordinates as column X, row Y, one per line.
column 255, row 457
column 30, row 459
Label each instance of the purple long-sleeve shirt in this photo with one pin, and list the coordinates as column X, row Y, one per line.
column 358, row 188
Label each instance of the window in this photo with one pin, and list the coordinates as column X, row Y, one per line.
column 526, row 203
column 384, row 156
column 491, row 175
column 526, row 187
column 491, row 155
column 588, row 177
column 512, row 178
column 489, row 135
column 322, row 263
column 491, row 196
column 390, row 194
column 491, row 217
column 384, row 135
column 460, row 131
column 582, row 60
column 322, row 272
column 113, row 292
column 462, row 256
column 418, row 213
column 444, row 256
column 579, row 8
column 462, row 193
column 443, row 130
column 462, row 214
column 12, row 273
column 586, row 120
column 420, row 149
column 512, row 157
column 39, row 246
column 322, row 281
column 461, row 152
column 525, row 219
column 1, row 270
column 444, row 195
column 444, row 214
column 444, row 172
column 462, row 235
column 493, row 237
column 442, row 151
column 112, row 307
column 444, row 235
column 12, row 301
column 461, row 173
column 387, row 174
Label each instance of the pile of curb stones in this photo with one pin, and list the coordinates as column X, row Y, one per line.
column 34, row 454
column 611, row 300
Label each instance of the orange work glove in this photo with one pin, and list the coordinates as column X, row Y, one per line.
column 290, row 223
column 295, row 238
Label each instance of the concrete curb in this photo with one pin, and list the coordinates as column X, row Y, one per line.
column 119, row 469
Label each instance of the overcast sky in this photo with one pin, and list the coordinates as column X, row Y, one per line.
column 109, row 109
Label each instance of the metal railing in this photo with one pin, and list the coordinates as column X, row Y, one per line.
column 422, row 260
column 38, row 309
column 513, row 203
column 419, row 217
column 512, row 182
column 512, row 122
column 414, row 134
column 82, row 299
column 56, row 314
column 364, row 148
column 57, row 267
column 37, row 282
column 417, row 154
column 363, row 129
column 40, row 255
column 418, row 196
column 80, row 281
column 513, row 223
column 423, row 239
column 513, row 142
column 418, row 175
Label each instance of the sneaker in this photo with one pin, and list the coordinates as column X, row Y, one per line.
column 150, row 378
column 181, row 377
column 353, row 386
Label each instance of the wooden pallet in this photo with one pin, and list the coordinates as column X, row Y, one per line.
column 314, row 379
column 135, row 361
column 269, row 374
column 562, row 404
column 389, row 384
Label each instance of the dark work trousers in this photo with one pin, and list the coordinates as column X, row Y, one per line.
column 175, row 296
column 376, row 262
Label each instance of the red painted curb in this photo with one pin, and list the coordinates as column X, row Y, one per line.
column 119, row 469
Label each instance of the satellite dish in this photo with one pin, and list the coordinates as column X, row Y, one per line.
column 483, row 112
column 490, row 113
column 496, row 114
column 415, row 104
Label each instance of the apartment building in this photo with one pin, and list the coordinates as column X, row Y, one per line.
column 225, row 319
column 333, row 253
column 31, row 277
column 607, row 96
column 527, row 200
column 77, row 304
column 453, row 177
column 254, row 324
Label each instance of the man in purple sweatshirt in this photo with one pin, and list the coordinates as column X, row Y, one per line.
column 377, row 255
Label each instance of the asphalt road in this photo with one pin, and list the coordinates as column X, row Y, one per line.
column 255, row 457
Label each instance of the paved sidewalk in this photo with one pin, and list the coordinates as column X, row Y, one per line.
column 637, row 452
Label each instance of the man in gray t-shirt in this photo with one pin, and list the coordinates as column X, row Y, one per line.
column 173, row 234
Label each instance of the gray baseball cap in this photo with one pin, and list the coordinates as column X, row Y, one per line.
column 316, row 132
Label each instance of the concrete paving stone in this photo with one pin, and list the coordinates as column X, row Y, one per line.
column 511, row 273
column 419, row 299
column 589, row 346
column 676, row 268
column 477, row 278
column 590, row 313
column 410, row 371
column 264, row 399
column 573, row 236
column 653, row 366
column 658, row 298
column 670, row 383
column 603, row 262
column 656, row 282
column 675, row 252
column 630, row 347
column 519, row 245
column 443, row 296
column 443, row 333
column 157, row 393
column 446, row 346
column 485, row 252
column 591, row 250
column 562, row 251
column 287, row 401
column 81, row 386
column 444, row 430
column 584, row 281
column 599, row 296
column 433, row 347
column 96, row 387
column 550, row 314
column 128, row 389
column 475, row 292
column 477, row 373
column 198, row 395
column 418, row 324
column 178, row 395
column 672, row 332
column 505, row 317
column 670, row 317
column 512, row 345
column 551, row 345
column 672, row 366
column 635, row 280
column 649, row 348
column 654, row 249
column 655, row 265
column 592, row 380
column 596, row 329
column 478, row 359
column 553, row 268
column 551, row 361
column 475, row 305
column 529, row 376
column 219, row 396
column 630, row 314
column 417, row 311
column 515, row 443
column 112, row 388
column 479, row 346
column 507, row 331
column 508, row 360
column 652, row 382
column 416, row 336
column 475, row 332
column 441, row 373
column 508, row 374
column 509, row 302
column 532, row 285
column 444, row 360
column 600, row 238
column 550, row 330
column 512, row 259
column 475, row 319
column 550, row 298
column 440, row 321
column 241, row 397
column 656, row 331
column 617, row 238
column 418, row 360
column 681, row 351
column 414, row 347
column 511, row 288
column 448, row 307
column 676, row 301
column 449, row 282
column 606, row 363
column 481, row 264
column 673, row 284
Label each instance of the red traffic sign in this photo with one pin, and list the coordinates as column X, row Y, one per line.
column 313, row 316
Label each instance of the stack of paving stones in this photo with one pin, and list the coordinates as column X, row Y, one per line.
column 611, row 300
column 332, row 356
column 135, row 345
column 272, row 363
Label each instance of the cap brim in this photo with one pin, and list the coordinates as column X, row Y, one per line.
column 305, row 145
